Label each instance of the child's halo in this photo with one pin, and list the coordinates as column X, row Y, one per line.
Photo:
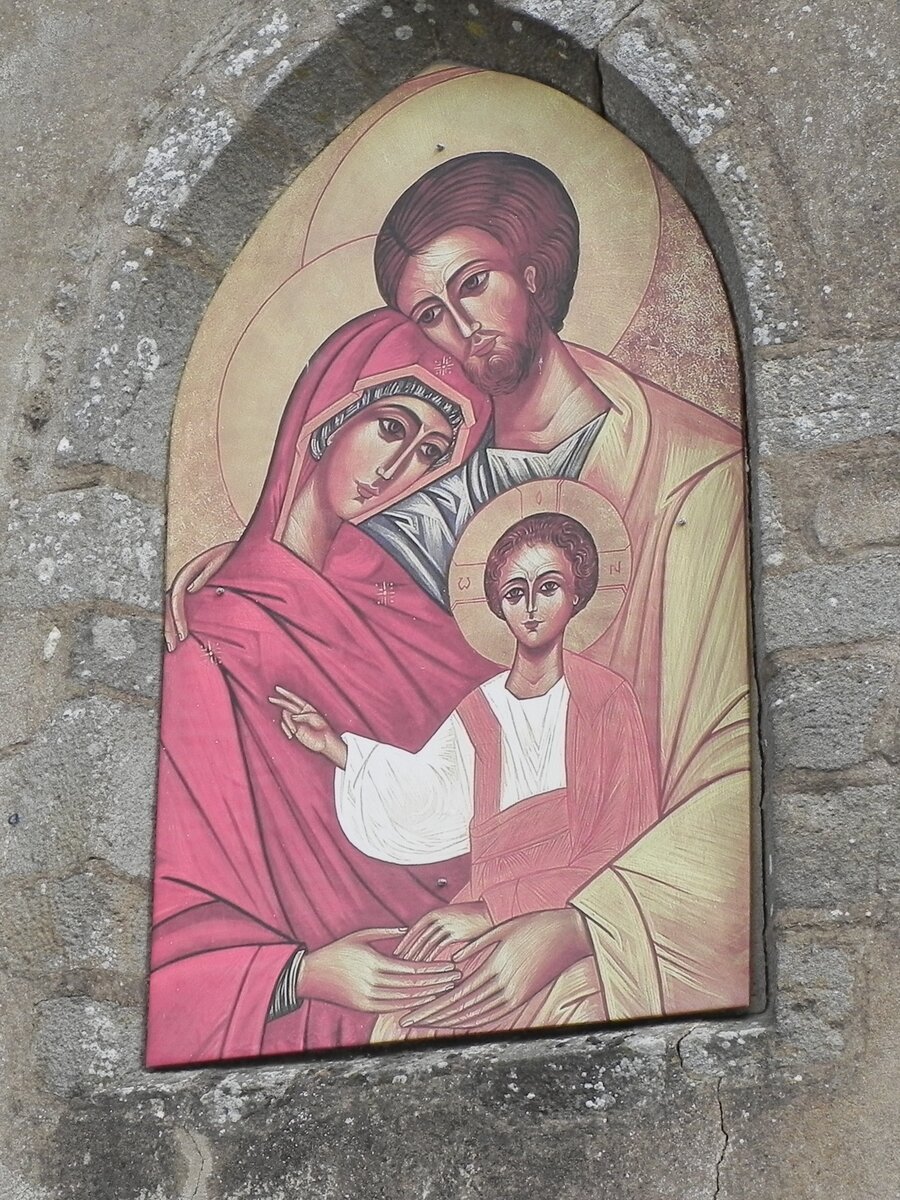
column 481, row 629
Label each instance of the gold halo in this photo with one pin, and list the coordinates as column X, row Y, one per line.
column 485, row 632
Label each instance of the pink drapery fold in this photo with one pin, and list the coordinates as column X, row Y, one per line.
column 250, row 860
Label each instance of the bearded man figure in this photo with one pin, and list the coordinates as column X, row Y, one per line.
column 482, row 252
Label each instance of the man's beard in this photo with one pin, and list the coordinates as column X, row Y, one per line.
column 509, row 363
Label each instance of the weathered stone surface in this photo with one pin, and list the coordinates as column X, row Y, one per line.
column 682, row 54
column 657, row 81
column 834, row 396
column 714, row 1050
column 586, row 21
column 100, row 922
column 33, row 680
column 85, row 1044
column 63, row 118
column 401, row 38
column 815, row 994
column 815, row 506
column 349, row 1131
column 310, row 117
column 29, row 944
column 96, row 544
column 13, row 1187
column 171, row 169
column 82, row 788
column 860, row 505
column 134, row 1155
column 120, row 652
column 769, row 519
column 825, row 605
column 24, row 1122
column 837, row 848
column 822, row 713
column 255, row 56
column 258, row 166
column 121, row 409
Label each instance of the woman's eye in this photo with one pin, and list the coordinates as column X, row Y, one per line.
column 391, row 428
column 474, row 283
column 430, row 315
column 549, row 588
column 431, row 451
column 514, row 595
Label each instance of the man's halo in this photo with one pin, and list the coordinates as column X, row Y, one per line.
column 485, row 632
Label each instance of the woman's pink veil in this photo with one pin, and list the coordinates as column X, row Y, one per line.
column 372, row 348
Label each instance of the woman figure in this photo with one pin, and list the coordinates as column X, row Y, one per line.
column 253, row 876
column 543, row 771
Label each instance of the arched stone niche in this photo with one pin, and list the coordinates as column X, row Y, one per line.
column 241, row 123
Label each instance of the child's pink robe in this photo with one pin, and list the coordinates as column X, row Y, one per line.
column 536, row 854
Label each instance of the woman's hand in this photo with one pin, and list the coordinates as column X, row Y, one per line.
column 191, row 578
column 301, row 721
column 437, row 929
column 351, row 973
column 523, row 955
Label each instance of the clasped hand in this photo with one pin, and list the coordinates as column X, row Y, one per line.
column 512, row 961
column 352, row 973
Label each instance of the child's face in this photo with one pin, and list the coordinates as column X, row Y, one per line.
column 537, row 594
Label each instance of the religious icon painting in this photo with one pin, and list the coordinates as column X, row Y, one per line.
column 455, row 734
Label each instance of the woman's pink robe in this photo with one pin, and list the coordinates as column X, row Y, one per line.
column 250, row 861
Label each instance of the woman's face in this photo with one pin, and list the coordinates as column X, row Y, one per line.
column 537, row 594
column 380, row 453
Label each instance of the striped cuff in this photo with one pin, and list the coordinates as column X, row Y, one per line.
column 284, row 998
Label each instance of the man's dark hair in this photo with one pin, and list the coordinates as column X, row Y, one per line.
column 545, row 529
column 515, row 199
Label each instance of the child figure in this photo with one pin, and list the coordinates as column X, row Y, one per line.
column 543, row 772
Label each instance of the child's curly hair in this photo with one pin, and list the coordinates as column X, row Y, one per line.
column 548, row 529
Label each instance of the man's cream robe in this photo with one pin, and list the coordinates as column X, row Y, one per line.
column 670, row 918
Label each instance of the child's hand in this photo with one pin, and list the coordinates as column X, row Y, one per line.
column 301, row 721
column 437, row 929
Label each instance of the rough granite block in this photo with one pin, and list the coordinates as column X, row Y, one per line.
column 822, row 713
column 72, row 547
column 82, row 788
column 830, row 605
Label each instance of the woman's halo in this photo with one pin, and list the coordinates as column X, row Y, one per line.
column 485, row 632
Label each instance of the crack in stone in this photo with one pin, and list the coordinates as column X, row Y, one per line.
column 621, row 19
column 687, row 1033
column 197, row 1164
column 678, row 1047
column 14, row 747
column 725, row 1139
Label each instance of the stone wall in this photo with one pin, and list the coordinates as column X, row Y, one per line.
column 140, row 145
